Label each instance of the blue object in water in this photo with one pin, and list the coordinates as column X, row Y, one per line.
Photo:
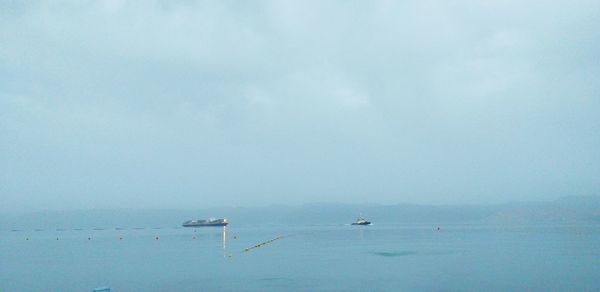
column 101, row 289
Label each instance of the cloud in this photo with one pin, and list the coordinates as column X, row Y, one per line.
column 288, row 102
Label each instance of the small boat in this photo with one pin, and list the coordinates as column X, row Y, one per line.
column 203, row 223
column 361, row 221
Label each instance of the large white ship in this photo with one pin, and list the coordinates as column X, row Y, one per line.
column 207, row 222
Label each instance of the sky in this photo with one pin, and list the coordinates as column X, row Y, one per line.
column 194, row 104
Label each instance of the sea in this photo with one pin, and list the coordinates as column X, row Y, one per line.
column 316, row 257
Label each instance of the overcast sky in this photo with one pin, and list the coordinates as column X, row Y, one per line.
column 142, row 104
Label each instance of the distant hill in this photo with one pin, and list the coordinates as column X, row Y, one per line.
column 565, row 210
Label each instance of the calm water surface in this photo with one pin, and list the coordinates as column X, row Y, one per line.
column 307, row 258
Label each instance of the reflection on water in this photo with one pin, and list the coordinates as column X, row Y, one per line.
column 224, row 241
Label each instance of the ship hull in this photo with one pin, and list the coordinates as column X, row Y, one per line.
column 205, row 224
column 362, row 223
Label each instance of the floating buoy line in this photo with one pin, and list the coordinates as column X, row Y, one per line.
column 262, row 244
column 120, row 237
column 92, row 229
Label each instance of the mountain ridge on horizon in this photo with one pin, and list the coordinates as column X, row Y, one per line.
column 569, row 199
column 574, row 209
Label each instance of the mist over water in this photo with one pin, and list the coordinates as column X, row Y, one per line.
column 466, row 131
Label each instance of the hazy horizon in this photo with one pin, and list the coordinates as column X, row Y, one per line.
column 593, row 199
column 146, row 105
